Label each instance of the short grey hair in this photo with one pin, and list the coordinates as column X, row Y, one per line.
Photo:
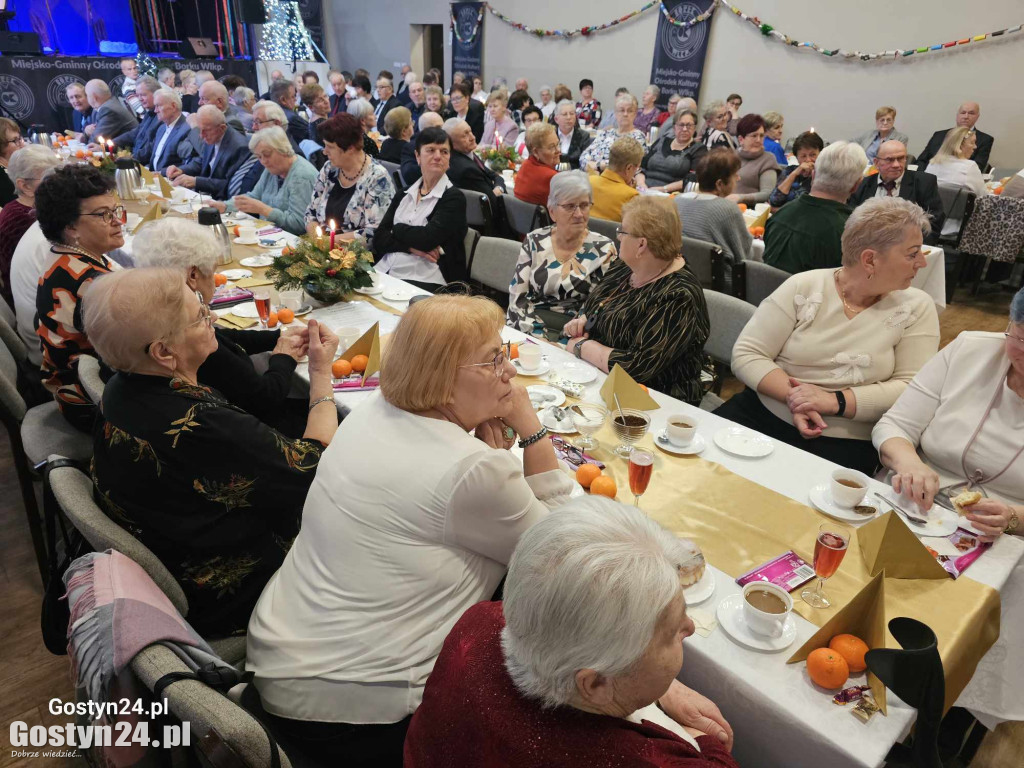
column 772, row 119
column 839, row 167
column 536, row 133
column 879, row 224
column 212, row 113
column 562, row 103
column 271, row 110
column 97, row 88
column 1017, row 308
column 242, row 95
column 216, row 90
column 170, row 95
column 545, row 88
column 586, row 588
column 627, row 98
column 204, row 76
column 31, row 162
column 429, row 120
column 656, row 89
column 280, row 88
column 359, row 108
column 152, row 84
column 75, row 86
column 274, row 137
column 164, row 72
column 451, row 124
column 713, row 109
column 177, row 243
column 569, row 185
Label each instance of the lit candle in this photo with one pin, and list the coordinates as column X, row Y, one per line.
column 497, row 141
column 333, row 227
column 319, row 237
column 102, row 144
column 110, row 148
column 812, row 129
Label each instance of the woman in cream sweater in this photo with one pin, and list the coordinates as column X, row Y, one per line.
column 831, row 350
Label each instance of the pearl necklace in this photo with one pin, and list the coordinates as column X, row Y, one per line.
column 79, row 251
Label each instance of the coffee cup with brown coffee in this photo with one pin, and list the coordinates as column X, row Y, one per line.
column 766, row 608
column 849, row 487
column 681, row 429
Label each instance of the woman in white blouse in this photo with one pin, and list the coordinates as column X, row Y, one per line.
column 964, row 412
column 831, row 349
column 953, row 167
column 411, row 520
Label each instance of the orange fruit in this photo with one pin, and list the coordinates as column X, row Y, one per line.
column 235, row 230
column 757, row 231
column 587, row 474
column 219, row 279
column 286, row 315
column 604, row 486
column 286, row 250
column 743, row 207
column 359, row 363
column 827, row 668
column 851, row 648
column 341, row 368
column 272, row 320
column 80, row 154
column 513, row 352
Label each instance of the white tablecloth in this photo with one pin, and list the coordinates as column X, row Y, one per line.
column 779, row 718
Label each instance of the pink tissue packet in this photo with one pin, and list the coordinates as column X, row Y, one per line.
column 787, row 571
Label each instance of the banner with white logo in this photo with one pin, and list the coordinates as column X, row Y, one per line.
column 467, row 26
column 680, row 48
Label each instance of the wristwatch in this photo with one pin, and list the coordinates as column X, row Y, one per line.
column 841, row 399
column 577, row 348
column 1014, row 521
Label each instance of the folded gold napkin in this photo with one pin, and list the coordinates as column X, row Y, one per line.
column 886, row 543
column 165, row 188
column 147, row 175
column 368, row 344
column 236, row 321
column 252, row 282
column 631, row 395
column 152, row 214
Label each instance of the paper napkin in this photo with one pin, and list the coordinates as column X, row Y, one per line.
column 252, row 282
column 152, row 214
column 147, row 175
column 235, row 321
column 165, row 188
column 886, row 543
column 631, row 395
column 368, row 344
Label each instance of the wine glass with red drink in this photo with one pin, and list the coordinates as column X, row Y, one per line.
column 829, row 551
column 641, row 466
column 262, row 299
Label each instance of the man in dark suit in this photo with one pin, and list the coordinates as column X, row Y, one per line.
column 403, row 87
column 140, row 138
column 170, row 143
column 967, row 114
column 465, row 169
column 461, row 104
column 283, row 94
column 571, row 137
column 417, row 102
column 894, row 180
column 112, row 117
column 339, row 97
column 385, row 103
column 81, row 112
column 225, row 151
column 410, row 168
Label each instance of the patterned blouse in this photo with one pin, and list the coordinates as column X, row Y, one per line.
column 214, row 493
column 61, row 335
column 370, row 200
column 643, row 121
column 542, row 282
column 657, row 332
column 588, row 113
column 597, row 152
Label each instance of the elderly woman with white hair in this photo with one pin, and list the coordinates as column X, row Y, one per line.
column 539, row 169
column 362, row 110
column 578, row 664
column 499, row 127
column 716, row 124
column 572, row 139
column 594, row 158
column 214, row 493
column 285, row 187
column 192, row 249
column 831, row 350
column 648, row 112
column 558, row 265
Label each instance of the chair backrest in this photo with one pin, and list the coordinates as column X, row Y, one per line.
column 728, row 316
column 74, row 492
column 205, row 709
column 494, row 262
column 469, row 243
column 478, row 210
column 754, row 281
column 10, row 338
column 7, row 314
column 399, row 181
column 700, row 256
column 524, row 217
column 604, row 227
column 12, row 404
column 954, row 199
column 391, row 168
column 89, row 378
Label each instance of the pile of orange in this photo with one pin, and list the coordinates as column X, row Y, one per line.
column 831, row 667
column 359, row 363
column 591, row 478
column 757, row 231
column 341, row 368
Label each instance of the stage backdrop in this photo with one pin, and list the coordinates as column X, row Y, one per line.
column 77, row 27
column 32, row 88
column 679, row 51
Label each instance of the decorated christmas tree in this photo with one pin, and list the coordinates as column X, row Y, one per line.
column 284, row 34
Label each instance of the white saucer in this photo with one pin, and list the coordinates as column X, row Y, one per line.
column 730, row 617
column 702, row 590
column 540, row 370
column 245, row 241
column 547, row 419
column 396, row 294
column 941, row 521
column 371, row 290
column 549, row 396
column 577, row 372
column 245, row 310
column 236, row 274
column 694, row 447
column 821, row 497
column 743, row 442
column 263, row 260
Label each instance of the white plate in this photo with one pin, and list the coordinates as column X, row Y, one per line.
column 372, row 290
column 236, row 274
column 695, row 446
column 305, row 309
column 565, row 427
column 540, row 370
column 263, row 260
column 545, row 396
column 821, row 498
column 577, row 372
column 702, row 590
column 245, row 241
column 396, row 294
column 743, row 442
column 244, row 310
column 730, row 617
column 941, row 521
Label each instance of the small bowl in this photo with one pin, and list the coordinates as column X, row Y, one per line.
column 629, row 434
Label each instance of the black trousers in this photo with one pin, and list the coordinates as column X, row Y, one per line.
column 747, row 410
column 310, row 743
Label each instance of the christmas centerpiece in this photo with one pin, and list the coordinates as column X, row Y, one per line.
column 501, row 157
column 325, row 273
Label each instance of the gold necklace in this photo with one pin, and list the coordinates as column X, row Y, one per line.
column 842, row 293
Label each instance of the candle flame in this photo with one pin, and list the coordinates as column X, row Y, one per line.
column 319, row 232
column 332, row 225
column 812, row 129
column 101, row 140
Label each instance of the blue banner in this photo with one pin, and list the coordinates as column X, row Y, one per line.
column 468, row 38
column 679, row 51
column 78, row 27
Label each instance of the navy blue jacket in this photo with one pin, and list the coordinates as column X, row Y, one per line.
column 174, row 153
column 213, row 180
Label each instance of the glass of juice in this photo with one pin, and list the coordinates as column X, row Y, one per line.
column 262, row 299
column 829, row 551
column 641, row 466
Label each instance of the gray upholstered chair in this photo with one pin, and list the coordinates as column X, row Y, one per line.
column 494, row 263
column 754, row 281
column 478, row 211
column 9, row 334
column 703, row 259
column 469, row 243
column 604, row 227
column 524, row 217
column 7, row 314
column 89, row 378
column 728, row 316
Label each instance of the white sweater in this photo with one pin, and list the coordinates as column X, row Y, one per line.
column 409, row 522
column 958, row 172
column 802, row 329
column 946, row 401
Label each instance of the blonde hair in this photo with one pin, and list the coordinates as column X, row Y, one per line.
column 657, row 220
column 396, row 121
column 883, row 111
column 125, row 311
column 951, row 144
column 772, row 119
column 624, row 151
column 536, row 133
column 310, row 92
column 497, row 96
column 879, row 224
column 433, row 338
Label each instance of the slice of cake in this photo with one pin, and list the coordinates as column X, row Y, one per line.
column 691, row 569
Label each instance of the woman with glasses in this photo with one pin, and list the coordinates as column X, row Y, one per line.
column 959, row 421
column 11, row 141
column 79, row 215
column 215, row 494
column 594, row 158
column 648, row 314
column 533, row 181
column 673, row 158
column 716, row 124
column 411, row 519
column 885, row 130
column 315, row 100
column 558, row 265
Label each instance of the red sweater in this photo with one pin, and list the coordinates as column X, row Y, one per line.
column 473, row 716
column 533, row 182
column 15, row 219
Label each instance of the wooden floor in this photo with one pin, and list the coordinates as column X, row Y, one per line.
column 30, row 676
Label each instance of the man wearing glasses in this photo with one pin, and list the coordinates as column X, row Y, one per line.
column 268, row 113
column 894, row 180
column 385, row 101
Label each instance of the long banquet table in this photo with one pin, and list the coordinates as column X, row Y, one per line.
column 778, row 716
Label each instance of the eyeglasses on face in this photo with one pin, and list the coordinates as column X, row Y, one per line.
column 498, row 363
column 110, row 215
column 1012, row 337
column 621, row 233
column 205, row 316
column 573, row 207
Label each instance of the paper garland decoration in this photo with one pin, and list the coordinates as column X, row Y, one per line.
column 568, row 34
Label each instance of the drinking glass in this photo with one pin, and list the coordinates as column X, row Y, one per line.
column 829, row 551
column 587, row 421
column 262, row 299
column 635, row 427
column 641, row 466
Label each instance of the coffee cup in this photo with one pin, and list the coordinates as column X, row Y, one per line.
column 346, row 338
column 766, row 608
column 247, row 232
column 681, row 429
column 849, row 487
column 507, row 175
column 529, row 356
